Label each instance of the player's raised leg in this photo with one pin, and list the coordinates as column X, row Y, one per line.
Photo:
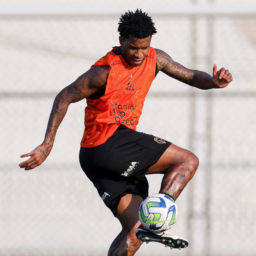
column 178, row 166
column 126, row 243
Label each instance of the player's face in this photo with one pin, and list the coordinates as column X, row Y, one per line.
column 135, row 50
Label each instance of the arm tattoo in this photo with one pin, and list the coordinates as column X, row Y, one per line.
column 87, row 84
column 198, row 79
column 173, row 69
column 58, row 112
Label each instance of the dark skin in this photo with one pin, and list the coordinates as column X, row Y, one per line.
column 176, row 164
column 87, row 84
column 134, row 51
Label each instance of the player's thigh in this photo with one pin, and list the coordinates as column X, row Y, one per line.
column 172, row 156
column 127, row 212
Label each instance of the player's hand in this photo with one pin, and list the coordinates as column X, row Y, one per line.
column 221, row 78
column 36, row 157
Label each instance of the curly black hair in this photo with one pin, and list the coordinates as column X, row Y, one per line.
column 136, row 24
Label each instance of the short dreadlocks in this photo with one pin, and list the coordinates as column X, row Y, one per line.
column 136, row 24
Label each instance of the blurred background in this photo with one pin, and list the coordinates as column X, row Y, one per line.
column 54, row 209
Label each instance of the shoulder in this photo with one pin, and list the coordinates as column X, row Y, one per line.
column 99, row 70
column 97, row 75
column 162, row 59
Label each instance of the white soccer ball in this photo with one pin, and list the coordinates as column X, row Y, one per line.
column 158, row 213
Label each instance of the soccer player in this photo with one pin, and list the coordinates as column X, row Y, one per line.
column 113, row 155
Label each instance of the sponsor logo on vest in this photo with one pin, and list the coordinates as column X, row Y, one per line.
column 130, row 169
column 129, row 87
column 124, row 121
column 159, row 141
column 123, row 107
column 120, row 113
column 105, row 196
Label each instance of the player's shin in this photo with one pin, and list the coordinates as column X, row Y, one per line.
column 176, row 178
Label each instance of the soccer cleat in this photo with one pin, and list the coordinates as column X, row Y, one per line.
column 146, row 236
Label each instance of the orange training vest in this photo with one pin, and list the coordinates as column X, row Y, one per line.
column 122, row 103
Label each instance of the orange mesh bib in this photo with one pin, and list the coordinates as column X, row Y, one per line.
column 122, row 103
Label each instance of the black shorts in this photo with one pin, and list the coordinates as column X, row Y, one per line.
column 118, row 166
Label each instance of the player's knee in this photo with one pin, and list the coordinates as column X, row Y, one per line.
column 192, row 163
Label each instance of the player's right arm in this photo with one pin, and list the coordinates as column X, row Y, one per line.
column 87, row 84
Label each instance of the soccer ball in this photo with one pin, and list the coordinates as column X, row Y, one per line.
column 157, row 213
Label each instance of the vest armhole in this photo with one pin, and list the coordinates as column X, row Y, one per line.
column 156, row 71
column 98, row 94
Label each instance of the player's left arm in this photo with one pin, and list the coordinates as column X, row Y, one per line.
column 199, row 79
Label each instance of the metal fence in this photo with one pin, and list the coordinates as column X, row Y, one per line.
column 55, row 210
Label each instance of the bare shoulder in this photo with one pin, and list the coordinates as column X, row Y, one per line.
column 166, row 64
column 87, row 84
column 96, row 77
column 162, row 59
